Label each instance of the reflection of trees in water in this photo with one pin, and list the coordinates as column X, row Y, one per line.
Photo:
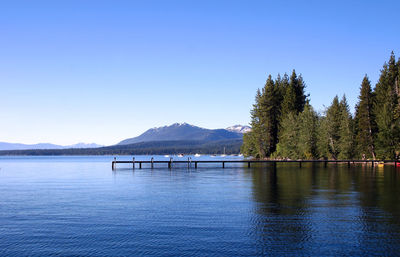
column 289, row 199
column 379, row 208
column 280, row 197
column 381, row 188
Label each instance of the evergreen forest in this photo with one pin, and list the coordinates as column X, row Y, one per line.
column 285, row 125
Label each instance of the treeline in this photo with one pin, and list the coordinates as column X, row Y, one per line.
column 285, row 125
column 144, row 148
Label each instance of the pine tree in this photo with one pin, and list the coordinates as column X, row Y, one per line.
column 248, row 147
column 251, row 142
column 345, row 143
column 294, row 98
column 262, row 140
column 271, row 113
column 387, row 139
column 396, row 114
column 308, row 126
column 323, row 138
column 365, row 127
column 289, row 100
column 288, row 146
column 333, row 120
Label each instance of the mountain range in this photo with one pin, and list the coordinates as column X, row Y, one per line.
column 181, row 136
column 17, row 146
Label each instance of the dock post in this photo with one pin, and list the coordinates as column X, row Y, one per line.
column 188, row 162
column 170, row 163
column 223, row 165
column 274, row 165
column 152, row 162
column 348, row 164
column 300, row 164
column 112, row 165
column 395, row 163
column 325, row 164
column 133, row 162
column 195, row 165
column 140, row 165
column 248, row 164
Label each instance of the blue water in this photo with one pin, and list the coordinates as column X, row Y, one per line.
column 78, row 206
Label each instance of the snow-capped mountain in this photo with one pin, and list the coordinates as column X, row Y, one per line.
column 182, row 131
column 239, row 129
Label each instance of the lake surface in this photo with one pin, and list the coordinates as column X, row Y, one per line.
column 79, row 206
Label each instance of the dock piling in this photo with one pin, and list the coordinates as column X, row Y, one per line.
column 170, row 163
column 114, row 163
column 133, row 163
column 152, row 162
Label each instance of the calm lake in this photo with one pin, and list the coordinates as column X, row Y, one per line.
column 79, row 206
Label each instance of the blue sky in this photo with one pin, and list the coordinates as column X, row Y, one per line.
column 103, row 71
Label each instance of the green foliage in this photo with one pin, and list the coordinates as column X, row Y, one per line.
column 323, row 138
column 298, row 135
column 335, row 132
column 282, row 110
column 365, row 125
column 288, row 146
column 261, row 141
column 294, row 98
column 387, row 110
column 308, row 127
column 346, row 141
column 248, row 147
column 333, row 119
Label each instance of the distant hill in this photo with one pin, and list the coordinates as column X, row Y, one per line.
column 183, row 131
column 231, row 146
column 17, row 146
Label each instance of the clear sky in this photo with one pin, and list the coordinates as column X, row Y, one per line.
column 102, row 71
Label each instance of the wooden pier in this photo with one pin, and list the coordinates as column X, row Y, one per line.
column 195, row 163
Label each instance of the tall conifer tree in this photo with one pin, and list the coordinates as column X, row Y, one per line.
column 345, row 143
column 385, row 110
column 365, row 127
column 333, row 121
column 308, row 126
column 288, row 146
column 264, row 121
column 294, row 98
